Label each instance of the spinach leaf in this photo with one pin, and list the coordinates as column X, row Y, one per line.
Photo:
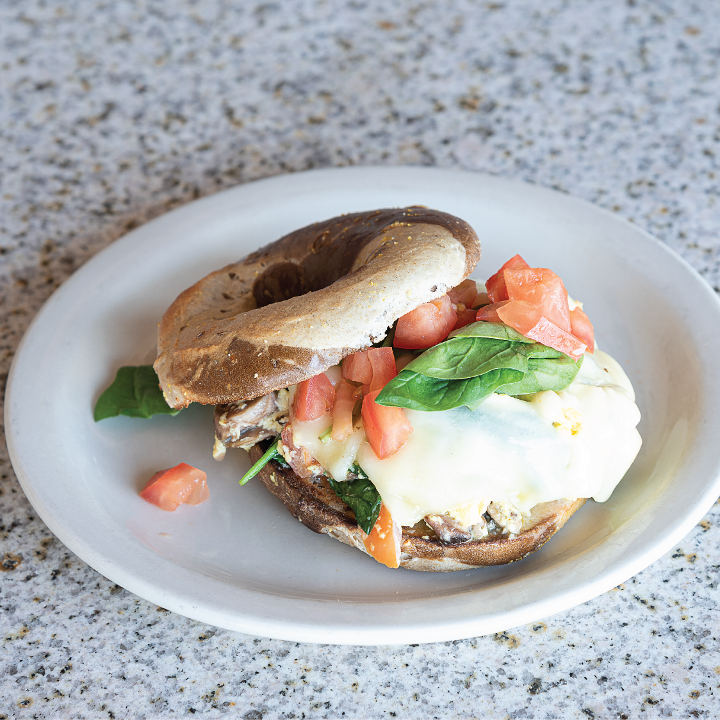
column 467, row 357
column 134, row 392
column 421, row 392
column 545, row 374
column 363, row 499
column 474, row 362
column 272, row 453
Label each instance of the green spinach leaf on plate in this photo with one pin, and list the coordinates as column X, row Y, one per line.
column 134, row 392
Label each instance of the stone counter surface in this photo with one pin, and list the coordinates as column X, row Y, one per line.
column 112, row 113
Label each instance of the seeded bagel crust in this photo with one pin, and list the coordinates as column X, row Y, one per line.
column 299, row 305
column 313, row 502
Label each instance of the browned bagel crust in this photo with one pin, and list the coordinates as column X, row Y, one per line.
column 313, row 502
column 271, row 320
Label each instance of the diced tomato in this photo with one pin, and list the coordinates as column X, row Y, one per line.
column 357, row 367
column 426, row 325
column 488, row 313
column 402, row 360
column 346, row 395
column 528, row 320
column 482, row 298
column 374, row 368
column 544, row 290
column 383, row 367
column 384, row 541
column 464, row 293
column 177, row 485
column 314, row 397
column 465, row 316
column 495, row 285
column 387, row 428
column 582, row 328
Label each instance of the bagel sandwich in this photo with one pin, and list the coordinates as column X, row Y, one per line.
column 479, row 477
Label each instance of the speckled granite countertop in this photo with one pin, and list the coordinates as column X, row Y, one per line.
column 113, row 113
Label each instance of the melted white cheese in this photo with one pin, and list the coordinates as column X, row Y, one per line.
column 577, row 443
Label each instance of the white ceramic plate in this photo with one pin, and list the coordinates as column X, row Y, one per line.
column 240, row 561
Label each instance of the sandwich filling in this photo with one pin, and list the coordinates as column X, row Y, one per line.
column 511, row 453
column 467, row 473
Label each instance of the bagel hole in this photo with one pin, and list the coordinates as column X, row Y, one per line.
column 279, row 282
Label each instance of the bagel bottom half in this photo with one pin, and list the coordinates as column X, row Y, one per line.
column 315, row 504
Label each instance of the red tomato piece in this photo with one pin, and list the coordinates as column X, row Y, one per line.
column 426, row 325
column 544, row 290
column 496, row 289
column 464, row 293
column 387, row 428
column 177, row 485
column 383, row 542
column 465, row 316
column 528, row 321
column 488, row 313
column 383, row 367
column 403, row 360
column 357, row 367
column 373, row 367
column 346, row 395
column 482, row 298
column 582, row 328
column 314, row 397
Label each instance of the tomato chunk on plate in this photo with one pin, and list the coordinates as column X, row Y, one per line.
column 177, row 485
column 314, row 397
column 383, row 542
column 386, row 427
column 528, row 320
column 426, row 325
